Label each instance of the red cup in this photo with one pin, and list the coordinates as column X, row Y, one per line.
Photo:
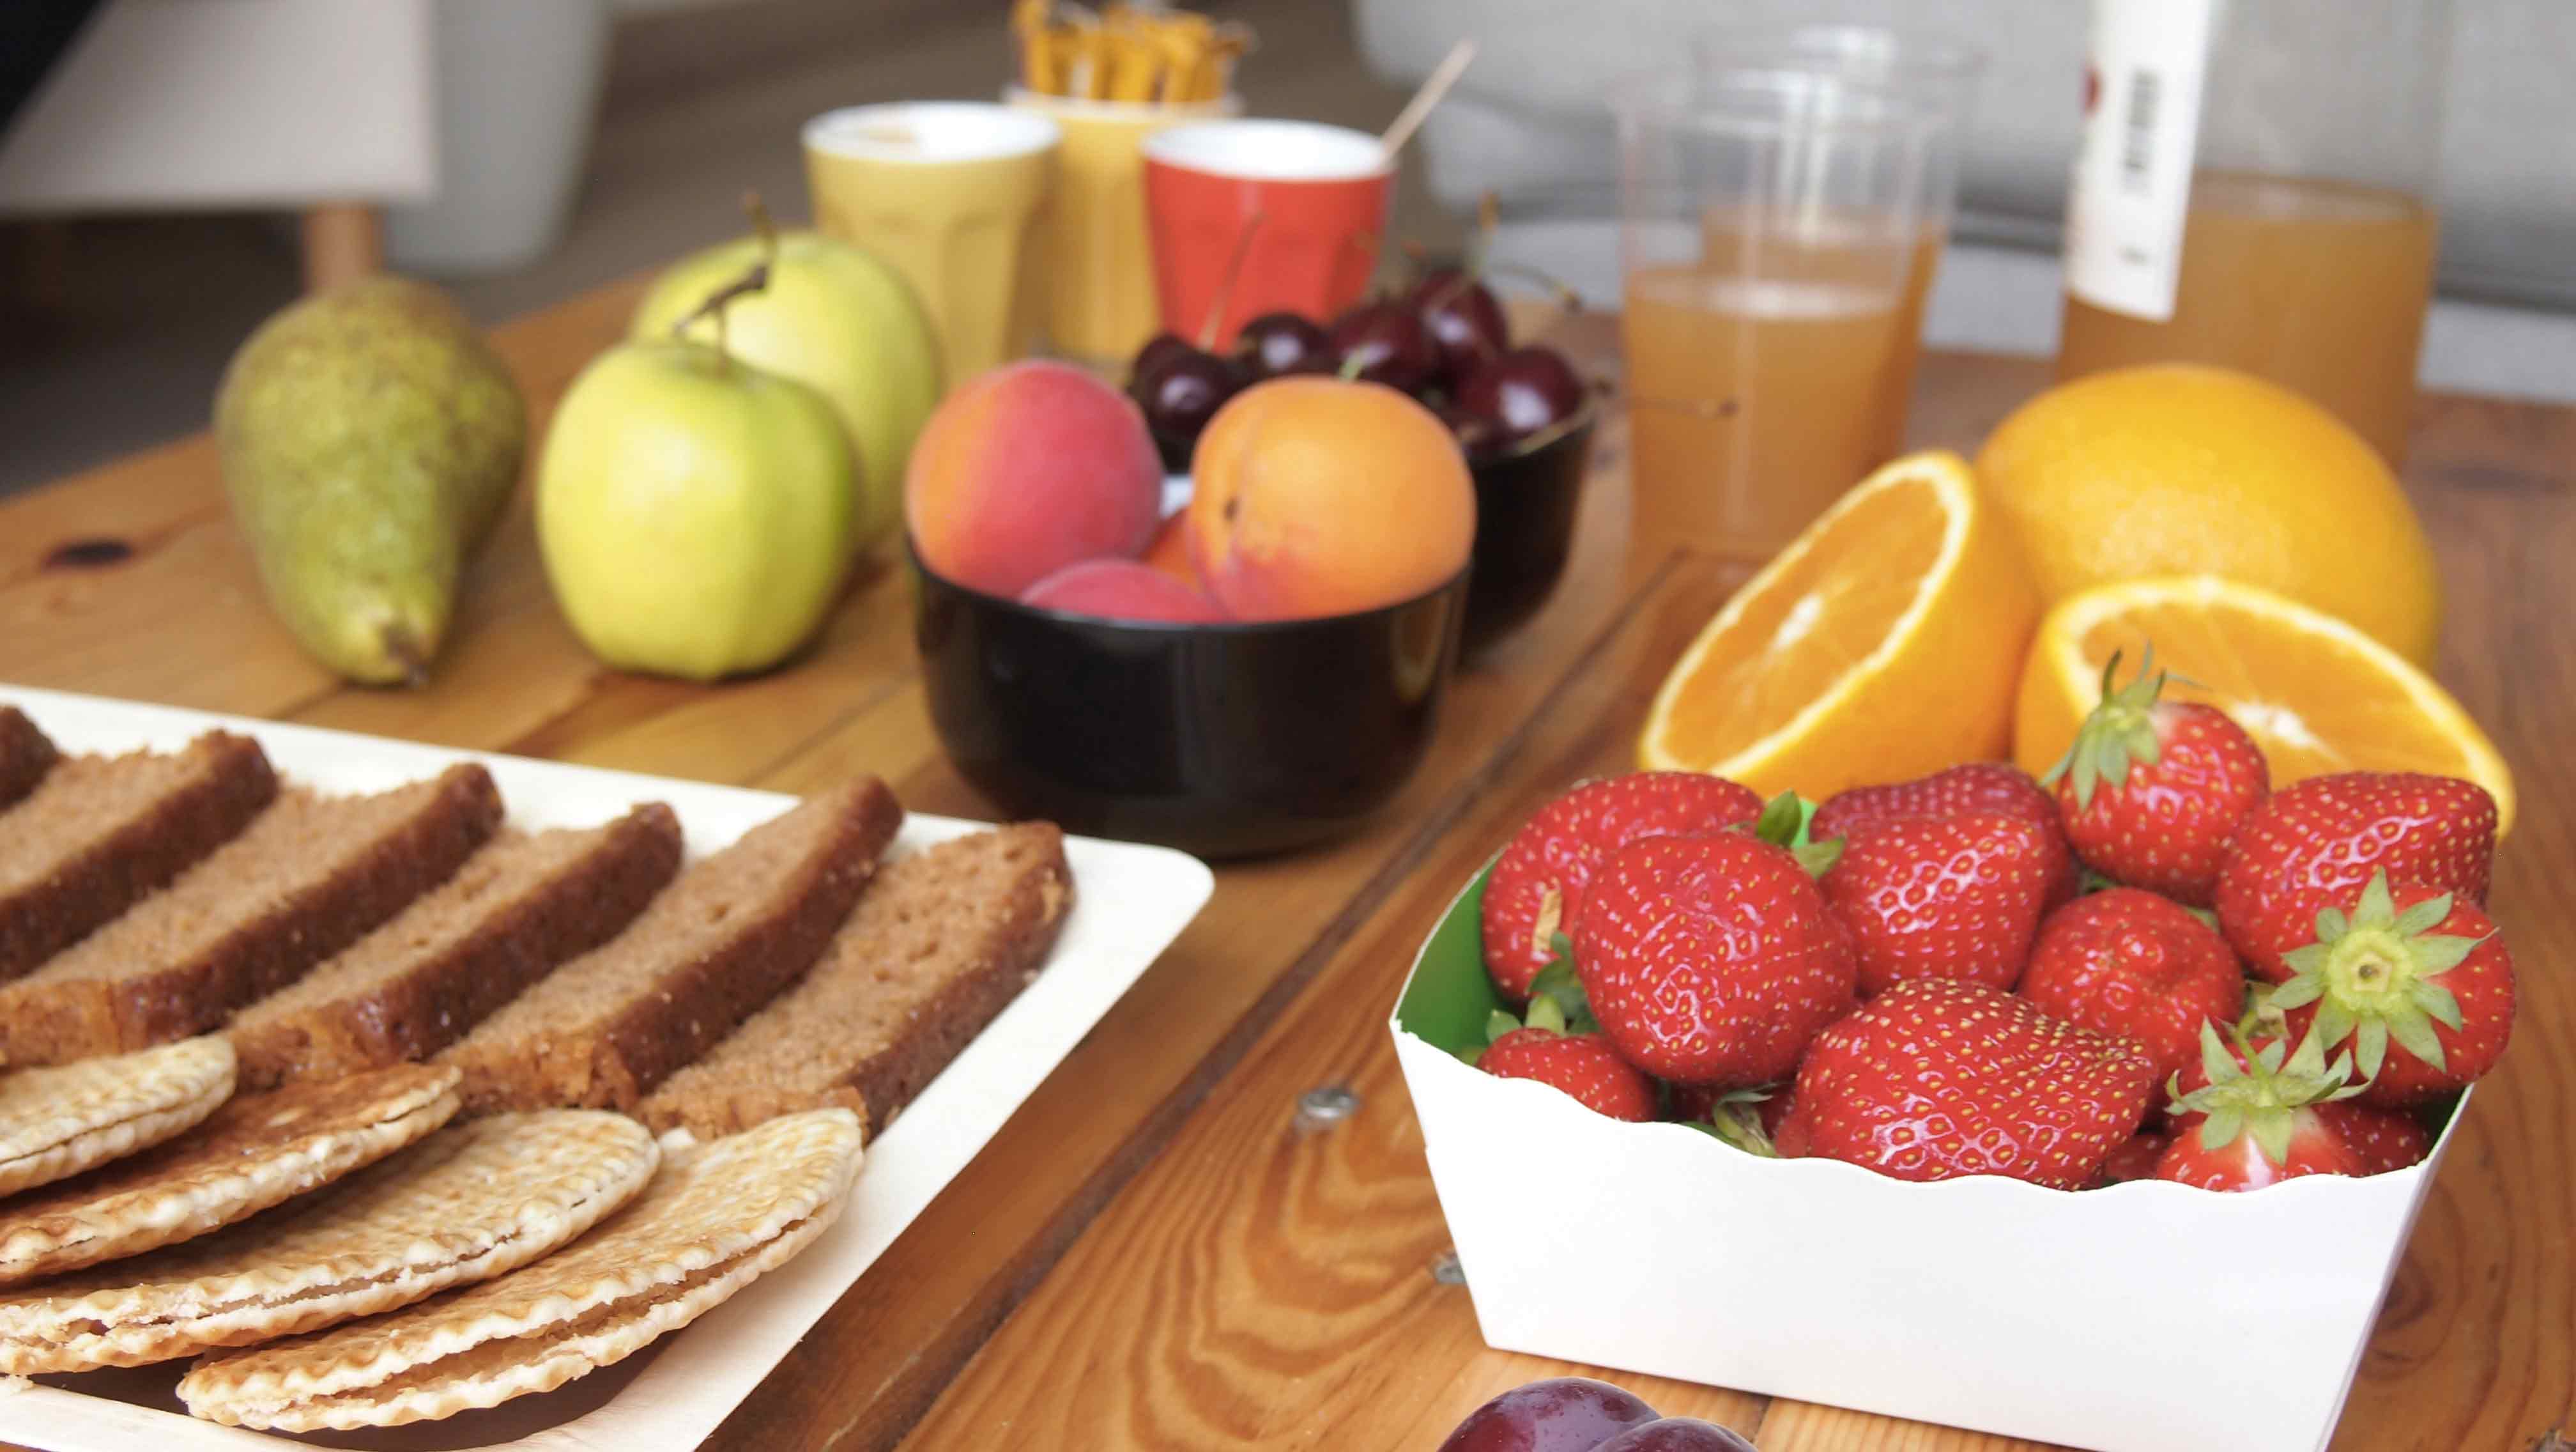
column 1307, row 200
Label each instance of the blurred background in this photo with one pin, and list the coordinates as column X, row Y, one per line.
column 171, row 171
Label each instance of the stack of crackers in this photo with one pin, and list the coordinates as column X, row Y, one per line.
column 354, row 1098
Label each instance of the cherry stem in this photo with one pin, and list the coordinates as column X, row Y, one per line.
column 1225, row 288
column 753, row 279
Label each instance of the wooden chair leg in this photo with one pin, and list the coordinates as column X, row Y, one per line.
column 343, row 241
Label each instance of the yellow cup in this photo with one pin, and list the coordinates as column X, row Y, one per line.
column 1100, row 301
column 952, row 194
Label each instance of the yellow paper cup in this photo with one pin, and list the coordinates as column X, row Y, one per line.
column 1100, row 300
column 952, row 194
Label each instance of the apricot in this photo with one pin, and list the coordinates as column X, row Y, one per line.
column 1121, row 590
column 1026, row 469
column 1170, row 551
column 1317, row 496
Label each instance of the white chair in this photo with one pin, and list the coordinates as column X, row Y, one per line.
column 328, row 108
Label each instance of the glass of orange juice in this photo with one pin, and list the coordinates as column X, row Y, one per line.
column 1783, row 201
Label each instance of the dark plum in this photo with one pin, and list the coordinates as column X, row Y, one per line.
column 1383, row 342
column 1182, row 390
column 1464, row 319
column 1677, row 1434
column 1560, row 1414
column 1523, row 391
column 1275, row 345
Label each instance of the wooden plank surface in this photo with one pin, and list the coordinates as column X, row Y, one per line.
column 1186, row 1271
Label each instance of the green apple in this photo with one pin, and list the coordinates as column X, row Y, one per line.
column 693, row 510
column 832, row 317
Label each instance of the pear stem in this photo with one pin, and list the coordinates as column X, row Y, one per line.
column 753, row 279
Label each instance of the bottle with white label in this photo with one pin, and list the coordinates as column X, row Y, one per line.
column 2256, row 189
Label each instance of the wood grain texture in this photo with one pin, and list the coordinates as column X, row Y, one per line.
column 1147, row 1254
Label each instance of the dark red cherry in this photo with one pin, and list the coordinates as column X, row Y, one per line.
column 1523, row 391
column 1156, row 349
column 1560, row 1414
column 1389, row 345
column 1275, row 345
column 1183, row 390
column 1677, row 1434
column 1464, row 319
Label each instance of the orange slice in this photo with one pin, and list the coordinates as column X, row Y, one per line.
column 2318, row 694
column 1882, row 644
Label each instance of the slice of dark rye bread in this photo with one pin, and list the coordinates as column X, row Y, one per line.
column 309, row 877
column 942, row 941
column 602, row 1030
column 25, row 755
column 100, row 832
column 516, row 908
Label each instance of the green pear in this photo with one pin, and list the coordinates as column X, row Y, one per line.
column 833, row 317
column 369, row 442
column 693, row 510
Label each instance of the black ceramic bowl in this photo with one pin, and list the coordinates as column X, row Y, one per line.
column 1525, row 506
column 1223, row 740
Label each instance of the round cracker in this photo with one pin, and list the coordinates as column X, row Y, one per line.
column 713, row 1207
column 257, row 1150
column 471, row 1202
column 56, row 1122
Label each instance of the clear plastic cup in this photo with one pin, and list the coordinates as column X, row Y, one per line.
column 1783, row 201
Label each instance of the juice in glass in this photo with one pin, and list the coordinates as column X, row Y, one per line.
column 2320, row 286
column 1770, row 376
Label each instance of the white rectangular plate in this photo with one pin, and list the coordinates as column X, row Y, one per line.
column 1130, row 901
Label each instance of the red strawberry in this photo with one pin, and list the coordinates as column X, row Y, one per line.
column 1711, row 960
column 1538, row 882
column 2381, row 1139
column 1938, row 1078
column 2243, row 1162
column 2135, row 1160
column 2152, row 791
column 2314, row 843
column 1978, row 786
column 2419, row 980
column 2131, row 963
column 1943, row 897
column 1583, row 1065
column 1744, row 1118
column 2258, row 1118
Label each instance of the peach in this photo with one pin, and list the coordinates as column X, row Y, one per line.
column 1027, row 469
column 1170, row 551
column 1318, row 496
column 1121, row 590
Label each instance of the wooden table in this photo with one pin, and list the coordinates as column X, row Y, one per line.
column 1148, row 1255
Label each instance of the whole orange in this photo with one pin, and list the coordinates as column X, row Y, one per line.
column 2187, row 470
column 1316, row 496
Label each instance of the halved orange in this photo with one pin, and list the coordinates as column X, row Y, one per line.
column 2319, row 695
column 1882, row 644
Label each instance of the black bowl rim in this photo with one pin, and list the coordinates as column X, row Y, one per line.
column 912, row 554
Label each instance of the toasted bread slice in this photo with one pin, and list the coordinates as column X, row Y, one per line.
column 100, row 832
column 308, row 878
column 25, row 755
column 602, row 1030
column 517, row 908
column 941, row 942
